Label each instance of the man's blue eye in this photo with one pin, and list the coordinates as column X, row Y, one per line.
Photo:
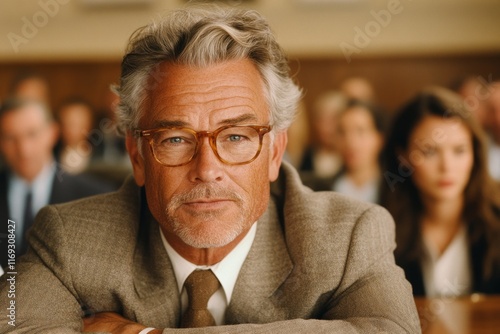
column 172, row 141
column 175, row 140
column 234, row 138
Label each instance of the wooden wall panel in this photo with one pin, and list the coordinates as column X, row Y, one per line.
column 90, row 80
column 395, row 79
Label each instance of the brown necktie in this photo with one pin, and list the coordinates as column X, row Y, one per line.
column 200, row 286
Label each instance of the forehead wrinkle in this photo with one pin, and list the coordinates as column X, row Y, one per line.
column 212, row 101
column 213, row 94
column 166, row 105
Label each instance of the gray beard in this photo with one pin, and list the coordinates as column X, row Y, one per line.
column 195, row 238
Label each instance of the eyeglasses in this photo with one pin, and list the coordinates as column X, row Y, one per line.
column 232, row 144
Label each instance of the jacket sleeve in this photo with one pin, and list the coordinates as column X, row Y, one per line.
column 40, row 288
column 373, row 296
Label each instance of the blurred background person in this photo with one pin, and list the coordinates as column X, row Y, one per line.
column 475, row 92
column 360, row 138
column 321, row 158
column 113, row 150
column 74, row 152
column 483, row 100
column 32, row 179
column 109, row 158
column 359, row 141
column 29, row 85
column 358, row 88
column 446, row 208
column 32, row 86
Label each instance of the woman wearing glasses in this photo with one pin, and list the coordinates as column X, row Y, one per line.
column 446, row 208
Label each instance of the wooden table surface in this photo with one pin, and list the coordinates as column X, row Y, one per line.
column 478, row 314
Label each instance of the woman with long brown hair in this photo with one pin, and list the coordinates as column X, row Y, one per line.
column 446, row 207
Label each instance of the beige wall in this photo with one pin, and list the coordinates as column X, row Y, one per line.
column 416, row 27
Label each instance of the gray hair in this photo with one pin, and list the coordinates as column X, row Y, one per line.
column 203, row 37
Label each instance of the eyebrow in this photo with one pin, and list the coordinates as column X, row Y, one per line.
column 240, row 119
column 181, row 124
column 170, row 124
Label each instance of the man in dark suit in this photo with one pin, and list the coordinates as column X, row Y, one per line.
column 197, row 238
column 32, row 179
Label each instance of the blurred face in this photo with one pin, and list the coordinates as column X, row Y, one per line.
column 76, row 123
column 33, row 89
column 358, row 88
column 26, row 140
column 474, row 94
column 441, row 152
column 359, row 143
column 325, row 124
column 207, row 203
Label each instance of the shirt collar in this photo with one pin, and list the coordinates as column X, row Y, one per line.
column 227, row 270
column 40, row 187
column 47, row 172
column 459, row 241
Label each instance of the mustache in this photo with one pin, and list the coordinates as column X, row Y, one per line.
column 205, row 191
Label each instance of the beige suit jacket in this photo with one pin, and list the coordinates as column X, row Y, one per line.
column 320, row 263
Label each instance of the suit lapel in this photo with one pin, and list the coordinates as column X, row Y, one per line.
column 154, row 278
column 58, row 193
column 264, row 270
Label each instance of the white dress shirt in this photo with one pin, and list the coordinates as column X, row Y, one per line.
column 227, row 272
column 494, row 159
column 449, row 274
column 18, row 188
column 366, row 193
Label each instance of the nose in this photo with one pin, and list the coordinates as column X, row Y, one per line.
column 446, row 161
column 23, row 147
column 205, row 166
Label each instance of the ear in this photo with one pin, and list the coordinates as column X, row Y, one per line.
column 136, row 159
column 277, row 151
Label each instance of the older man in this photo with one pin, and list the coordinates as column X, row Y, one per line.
column 197, row 238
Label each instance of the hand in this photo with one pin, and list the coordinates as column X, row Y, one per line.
column 112, row 323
